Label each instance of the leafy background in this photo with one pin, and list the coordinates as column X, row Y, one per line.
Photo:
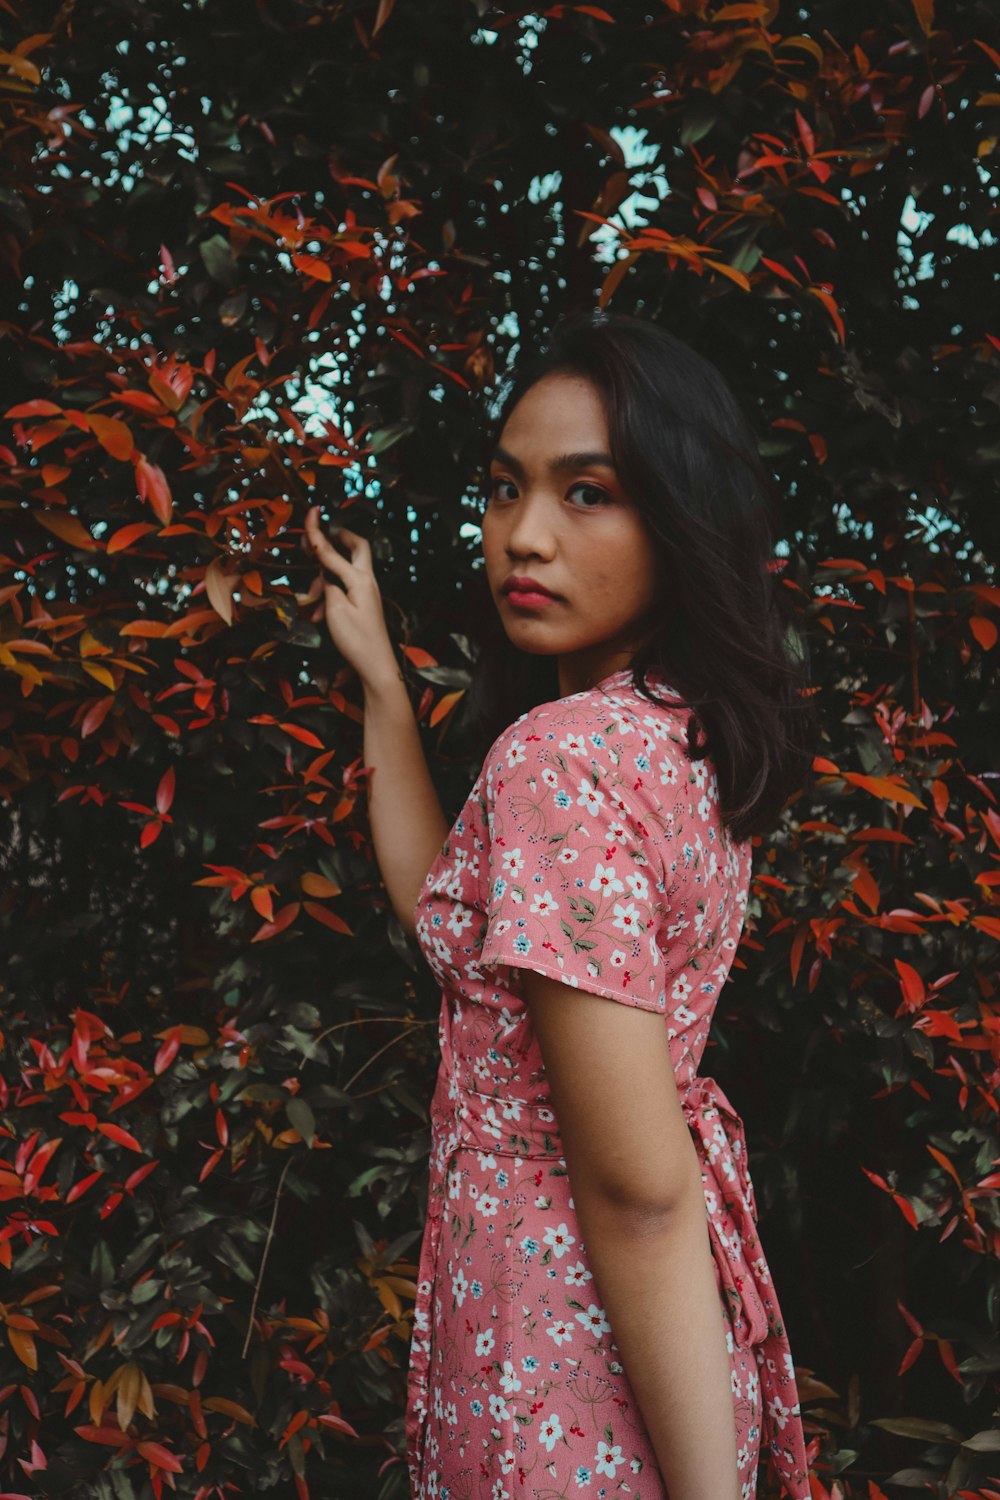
column 260, row 256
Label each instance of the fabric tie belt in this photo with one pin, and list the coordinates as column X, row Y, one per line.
column 528, row 1131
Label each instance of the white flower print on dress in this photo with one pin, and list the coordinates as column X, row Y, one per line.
column 512, row 862
column 590, row 798
column 561, row 1332
column 594, row 1320
column 545, row 904
column 560, row 1239
column 550, row 1430
column 606, row 880
column 590, row 849
column 608, row 1458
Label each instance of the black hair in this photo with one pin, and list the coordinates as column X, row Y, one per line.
column 723, row 634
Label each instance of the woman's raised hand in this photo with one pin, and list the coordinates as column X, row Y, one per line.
column 352, row 606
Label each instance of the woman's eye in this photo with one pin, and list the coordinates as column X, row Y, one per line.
column 595, row 490
column 596, row 494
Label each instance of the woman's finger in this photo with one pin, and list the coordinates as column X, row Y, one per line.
column 358, row 547
column 327, row 554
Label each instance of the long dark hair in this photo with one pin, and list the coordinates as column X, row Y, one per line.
column 724, row 634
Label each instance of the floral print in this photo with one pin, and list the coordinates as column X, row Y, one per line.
column 590, row 849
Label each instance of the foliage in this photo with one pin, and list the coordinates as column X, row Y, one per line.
column 260, row 256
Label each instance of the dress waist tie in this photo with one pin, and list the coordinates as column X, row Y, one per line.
column 526, row 1130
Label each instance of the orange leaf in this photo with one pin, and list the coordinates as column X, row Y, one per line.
column 151, row 628
column 442, row 709
column 260, row 900
column 738, row 276
column 219, row 587
column 924, row 10
column 126, row 535
column 34, row 409
column 67, row 528
column 229, row 1409
column 151, row 483
column 328, row 918
column 984, row 631
column 112, row 434
column 313, row 266
column 944, row 1161
column 318, row 885
column 881, row 786
column 419, row 657
column 23, row 1346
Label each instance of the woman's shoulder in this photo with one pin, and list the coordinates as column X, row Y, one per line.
column 596, row 724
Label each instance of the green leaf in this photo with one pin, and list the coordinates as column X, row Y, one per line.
column 918, row 1427
column 217, row 254
column 302, row 1118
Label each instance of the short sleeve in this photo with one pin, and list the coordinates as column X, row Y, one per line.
column 575, row 886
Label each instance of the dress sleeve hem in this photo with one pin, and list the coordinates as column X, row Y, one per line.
column 496, row 954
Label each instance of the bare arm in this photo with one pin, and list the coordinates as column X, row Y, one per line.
column 407, row 823
column 639, row 1199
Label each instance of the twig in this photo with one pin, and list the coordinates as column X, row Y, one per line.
column 264, row 1255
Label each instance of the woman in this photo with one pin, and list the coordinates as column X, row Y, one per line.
column 594, row 1311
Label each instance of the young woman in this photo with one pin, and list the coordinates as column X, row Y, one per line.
column 595, row 1314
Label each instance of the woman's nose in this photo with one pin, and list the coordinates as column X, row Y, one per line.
column 531, row 531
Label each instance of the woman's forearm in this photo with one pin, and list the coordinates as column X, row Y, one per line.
column 658, row 1289
column 407, row 823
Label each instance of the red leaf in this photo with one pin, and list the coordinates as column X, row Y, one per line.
column 328, row 918
column 166, row 1054
column 906, row 1209
column 150, row 833
column 117, row 1133
column 911, row 984
column 35, row 409
column 165, row 791
column 285, row 917
column 140, row 1174
column 95, row 716
column 151, row 482
column 79, row 1188
column 805, row 133
column 113, row 1436
column 155, row 1453
column 305, row 735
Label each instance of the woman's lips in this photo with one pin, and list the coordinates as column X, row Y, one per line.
column 528, row 598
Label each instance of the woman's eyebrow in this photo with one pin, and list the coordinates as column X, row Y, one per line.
column 585, row 460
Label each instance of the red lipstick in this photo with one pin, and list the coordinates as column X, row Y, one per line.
column 527, row 593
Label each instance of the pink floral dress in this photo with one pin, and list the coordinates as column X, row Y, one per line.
column 589, row 848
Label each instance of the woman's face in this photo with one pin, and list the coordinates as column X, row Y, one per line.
column 556, row 513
